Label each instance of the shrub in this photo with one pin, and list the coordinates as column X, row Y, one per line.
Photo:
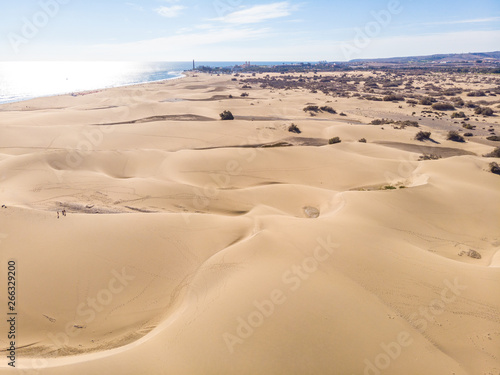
column 393, row 98
column 494, row 168
column 294, row 129
column 485, row 111
column 342, row 114
column 458, row 115
column 362, row 140
column 226, row 115
column 494, row 154
column 476, row 93
column 245, row 94
column 422, row 136
column 403, row 124
column 443, row 106
column 473, row 254
column 427, row 101
column 495, row 138
column 468, row 135
column 407, row 123
column 458, row 101
column 311, row 108
column 328, row 109
column 411, row 102
column 334, row 140
column 455, row 137
column 429, row 157
column 468, row 127
column 373, row 98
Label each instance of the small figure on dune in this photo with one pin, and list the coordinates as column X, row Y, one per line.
column 64, row 212
column 58, row 214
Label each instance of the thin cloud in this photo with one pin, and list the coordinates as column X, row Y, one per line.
column 170, row 12
column 176, row 46
column 258, row 13
column 459, row 22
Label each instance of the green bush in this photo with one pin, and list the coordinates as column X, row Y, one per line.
column 226, row 115
column 334, row 140
column 429, row 157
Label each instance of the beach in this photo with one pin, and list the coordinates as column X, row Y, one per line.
column 192, row 245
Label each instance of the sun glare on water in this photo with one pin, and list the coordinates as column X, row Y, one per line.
column 33, row 79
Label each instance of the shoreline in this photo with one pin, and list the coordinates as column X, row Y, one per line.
column 85, row 92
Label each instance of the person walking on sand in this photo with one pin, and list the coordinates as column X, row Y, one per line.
column 58, row 214
column 64, row 212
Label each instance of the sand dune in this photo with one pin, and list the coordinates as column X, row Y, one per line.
column 188, row 247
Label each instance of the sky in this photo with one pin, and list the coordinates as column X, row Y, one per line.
column 244, row 30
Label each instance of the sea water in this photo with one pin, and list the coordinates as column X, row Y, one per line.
column 27, row 80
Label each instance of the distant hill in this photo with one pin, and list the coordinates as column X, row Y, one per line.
column 451, row 58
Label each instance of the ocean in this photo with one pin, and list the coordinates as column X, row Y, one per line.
column 26, row 80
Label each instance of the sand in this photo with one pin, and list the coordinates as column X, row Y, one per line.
column 192, row 245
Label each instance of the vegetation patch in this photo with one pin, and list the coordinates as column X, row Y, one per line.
column 495, row 168
column 423, row 136
column 493, row 154
column 226, row 115
column 455, row 137
column 458, row 115
column 429, row 157
column 294, row 129
column 441, row 106
column 403, row 124
column 317, row 109
column 485, row 111
column 334, row 140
